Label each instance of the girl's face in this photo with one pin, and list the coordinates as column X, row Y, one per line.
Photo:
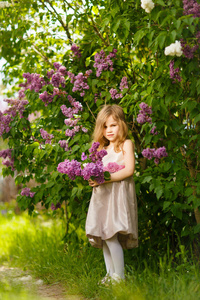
column 111, row 129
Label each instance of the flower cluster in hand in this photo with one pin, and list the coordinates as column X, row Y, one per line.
column 92, row 169
column 147, row 5
column 27, row 192
column 149, row 153
column 8, row 159
column 174, row 73
column 113, row 167
column 103, row 62
column 144, row 113
column 174, row 49
column 191, row 7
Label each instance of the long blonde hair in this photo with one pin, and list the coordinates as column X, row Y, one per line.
column 118, row 115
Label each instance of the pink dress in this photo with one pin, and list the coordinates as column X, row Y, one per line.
column 113, row 209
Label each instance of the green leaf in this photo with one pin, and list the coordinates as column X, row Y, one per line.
column 159, row 192
column 116, row 25
column 166, row 204
column 147, row 179
column 197, row 119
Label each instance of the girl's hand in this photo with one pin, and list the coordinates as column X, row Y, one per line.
column 93, row 183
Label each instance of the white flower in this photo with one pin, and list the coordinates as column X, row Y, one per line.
column 174, row 49
column 147, row 5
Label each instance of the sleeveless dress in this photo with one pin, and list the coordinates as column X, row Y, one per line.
column 113, row 209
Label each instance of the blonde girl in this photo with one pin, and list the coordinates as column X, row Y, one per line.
column 111, row 221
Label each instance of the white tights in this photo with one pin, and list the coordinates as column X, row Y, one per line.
column 113, row 256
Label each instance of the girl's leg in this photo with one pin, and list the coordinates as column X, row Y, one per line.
column 117, row 255
column 108, row 259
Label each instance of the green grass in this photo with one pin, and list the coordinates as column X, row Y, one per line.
column 36, row 244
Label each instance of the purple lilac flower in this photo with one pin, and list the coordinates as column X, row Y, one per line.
column 71, row 122
column 46, row 98
column 94, row 170
column 8, row 159
column 64, row 145
column 57, row 65
column 143, row 114
column 46, row 136
column 58, row 79
column 160, row 152
column 71, row 168
column 114, row 94
column 85, row 130
column 34, row 82
column 103, row 62
column 80, row 84
column 148, row 153
column 75, row 50
column 188, row 50
column 55, row 207
column 83, row 156
column 27, row 192
column 157, row 153
column 50, row 73
column 113, row 167
column 94, row 147
column 153, row 131
column 191, row 7
column 174, row 73
column 123, row 84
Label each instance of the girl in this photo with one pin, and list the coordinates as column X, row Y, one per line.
column 111, row 221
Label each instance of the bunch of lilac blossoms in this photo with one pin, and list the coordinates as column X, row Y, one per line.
column 80, row 82
column 144, row 113
column 188, row 50
column 46, row 136
column 191, row 7
column 92, row 169
column 71, row 168
column 114, row 94
column 8, row 159
column 75, row 50
column 72, row 120
column 123, row 84
column 156, row 153
column 103, row 62
column 27, row 192
column 6, row 117
column 174, row 73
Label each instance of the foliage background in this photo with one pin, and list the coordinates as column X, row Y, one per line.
column 35, row 34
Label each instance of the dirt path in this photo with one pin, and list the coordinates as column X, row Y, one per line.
column 36, row 287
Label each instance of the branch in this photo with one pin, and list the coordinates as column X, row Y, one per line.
column 38, row 51
column 57, row 16
column 97, row 31
column 90, row 110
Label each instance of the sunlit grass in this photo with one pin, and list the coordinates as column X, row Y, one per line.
column 36, row 244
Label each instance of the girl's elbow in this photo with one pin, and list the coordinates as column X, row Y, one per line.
column 130, row 172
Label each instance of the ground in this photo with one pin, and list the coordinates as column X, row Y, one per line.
column 18, row 278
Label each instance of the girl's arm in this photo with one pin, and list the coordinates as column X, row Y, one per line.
column 129, row 159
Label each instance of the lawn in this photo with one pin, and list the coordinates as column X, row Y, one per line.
column 34, row 246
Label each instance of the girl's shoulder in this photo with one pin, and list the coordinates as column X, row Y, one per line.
column 128, row 145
